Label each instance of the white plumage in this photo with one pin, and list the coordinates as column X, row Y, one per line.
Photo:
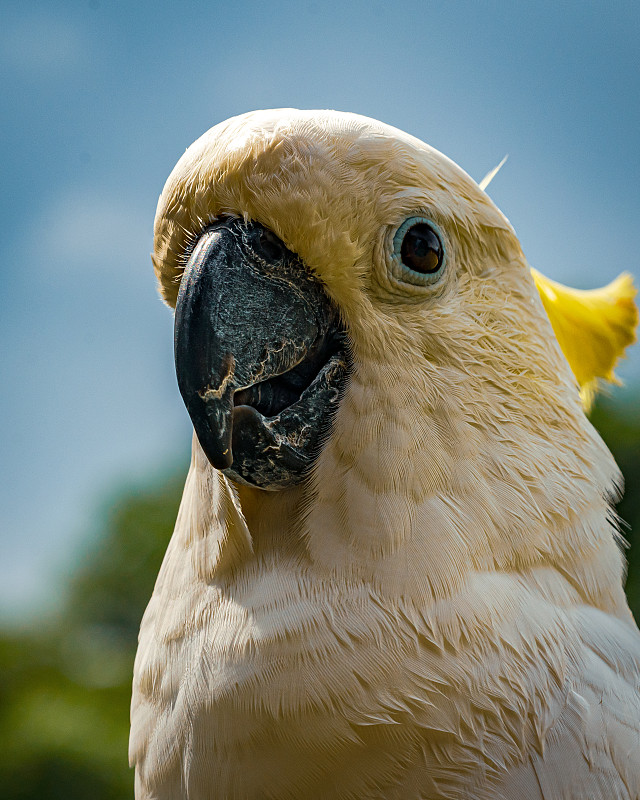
column 437, row 610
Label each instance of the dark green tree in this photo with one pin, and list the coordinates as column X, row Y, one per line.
column 619, row 426
column 65, row 688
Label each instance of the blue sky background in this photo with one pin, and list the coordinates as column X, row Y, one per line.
column 99, row 100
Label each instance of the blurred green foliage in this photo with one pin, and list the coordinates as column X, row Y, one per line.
column 65, row 686
column 619, row 426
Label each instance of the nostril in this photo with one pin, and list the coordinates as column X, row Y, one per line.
column 271, row 246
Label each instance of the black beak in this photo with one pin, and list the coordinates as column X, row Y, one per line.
column 260, row 354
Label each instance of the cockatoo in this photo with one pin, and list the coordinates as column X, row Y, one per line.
column 396, row 571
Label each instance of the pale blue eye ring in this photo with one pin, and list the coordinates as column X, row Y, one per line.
column 419, row 255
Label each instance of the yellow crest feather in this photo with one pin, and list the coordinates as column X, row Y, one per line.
column 592, row 327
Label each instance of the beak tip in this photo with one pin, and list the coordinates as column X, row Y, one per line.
column 213, row 424
column 217, row 435
column 218, row 458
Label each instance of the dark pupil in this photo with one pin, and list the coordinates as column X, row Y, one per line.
column 421, row 250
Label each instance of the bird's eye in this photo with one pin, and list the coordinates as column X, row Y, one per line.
column 418, row 252
column 421, row 250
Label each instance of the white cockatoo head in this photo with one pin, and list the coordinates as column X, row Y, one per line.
column 331, row 267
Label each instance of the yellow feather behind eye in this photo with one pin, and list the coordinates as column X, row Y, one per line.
column 592, row 327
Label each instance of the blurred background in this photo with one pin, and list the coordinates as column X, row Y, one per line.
column 99, row 99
